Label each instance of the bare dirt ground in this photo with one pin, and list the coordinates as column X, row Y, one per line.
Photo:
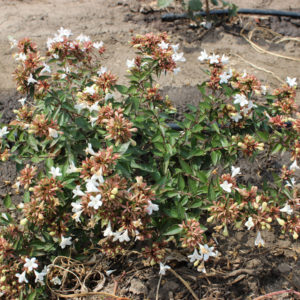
column 242, row 272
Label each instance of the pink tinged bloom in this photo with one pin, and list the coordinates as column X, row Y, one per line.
column 163, row 268
column 178, row 57
column 226, row 186
column 30, row 80
column 22, row 277
column 3, row 132
column 152, row 207
column 214, row 59
column 130, row 63
column 203, row 56
column 77, row 192
column 55, row 172
column 287, row 209
column 98, row 45
column 236, row 117
column 195, row 256
column 108, row 231
column 291, row 82
column 240, row 99
column 30, row 264
column 65, row 242
column 235, row 171
column 163, row 45
column 95, row 201
column 259, row 242
column 249, row 224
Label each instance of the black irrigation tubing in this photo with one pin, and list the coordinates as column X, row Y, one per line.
column 271, row 12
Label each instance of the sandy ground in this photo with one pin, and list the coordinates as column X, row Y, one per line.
column 115, row 22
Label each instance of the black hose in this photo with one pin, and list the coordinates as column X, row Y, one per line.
column 271, row 12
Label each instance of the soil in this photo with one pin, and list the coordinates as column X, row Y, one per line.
column 241, row 271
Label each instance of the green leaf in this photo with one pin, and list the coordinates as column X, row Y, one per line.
column 174, row 229
column 82, row 123
column 215, row 157
column 195, row 5
column 7, row 201
column 186, row 168
column 263, row 135
column 33, row 143
column 123, row 148
column 26, row 196
column 211, row 193
column 215, row 127
column 181, row 182
column 32, row 295
column 121, row 88
column 276, row 148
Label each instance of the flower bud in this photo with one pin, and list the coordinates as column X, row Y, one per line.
column 112, row 197
column 114, row 191
column 264, row 206
column 280, row 221
column 3, row 278
column 23, row 222
column 52, row 233
column 210, row 219
column 295, row 235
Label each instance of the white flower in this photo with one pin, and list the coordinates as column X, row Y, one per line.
column 22, row 101
column 65, row 242
column 80, row 106
column 91, row 186
column 163, row 268
column 55, row 172
column 224, row 77
column 226, row 186
column 77, row 215
column 56, row 56
column 235, row 171
column 294, row 166
column 250, row 105
column 293, row 182
column 39, row 276
column 90, row 90
column 98, row 176
column 109, row 272
column 89, row 150
column 83, row 38
column 30, row 264
column 124, row 237
column 108, row 96
column 93, row 107
column 64, row 32
column 175, row 47
column 4, row 216
column 20, row 57
column 22, row 277
column 98, row 45
column 259, row 241
column 206, row 252
column 116, row 235
column 13, row 42
column 214, row 59
column 195, row 256
column 95, row 201
column 244, row 74
column 53, row 133
column 236, row 117
column 240, row 99
column 263, row 89
column 287, row 209
column 206, row 25
column 249, row 224
column 77, row 192
column 130, row 63
column 224, row 59
column 102, row 71
column 56, row 281
column 3, row 132
column 152, row 207
column 72, row 168
column 291, row 82
column 108, row 231
column 45, row 69
column 76, row 206
column 178, row 57
column 163, row 45
column 176, row 70
column 30, row 80
column 203, row 56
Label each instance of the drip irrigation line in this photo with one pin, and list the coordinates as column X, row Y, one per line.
column 271, row 12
